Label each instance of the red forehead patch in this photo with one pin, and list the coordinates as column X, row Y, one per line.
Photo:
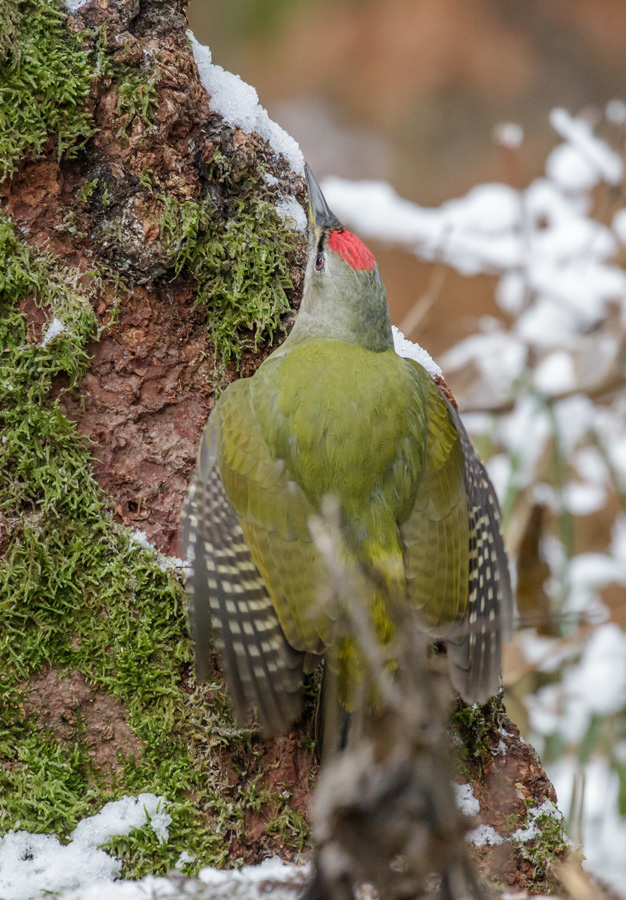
column 352, row 249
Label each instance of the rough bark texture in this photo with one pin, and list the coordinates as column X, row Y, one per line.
column 507, row 781
column 65, row 705
column 148, row 390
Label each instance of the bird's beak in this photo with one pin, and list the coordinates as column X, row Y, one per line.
column 320, row 216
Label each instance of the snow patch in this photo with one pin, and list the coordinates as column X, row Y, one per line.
column 545, row 653
column 616, row 112
column 140, row 539
column 54, row 329
column 183, row 860
column 606, row 163
column 281, row 881
column 524, row 435
column 290, row 210
column 583, row 499
column 533, row 830
column 238, row 103
column 571, row 171
column 555, row 373
column 619, row 225
column 484, row 835
column 32, row 864
column 465, row 799
column 407, row 349
column 251, row 882
column 509, row 134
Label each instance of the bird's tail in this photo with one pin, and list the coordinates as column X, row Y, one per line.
column 334, row 725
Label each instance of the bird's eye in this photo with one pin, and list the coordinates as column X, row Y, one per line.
column 319, row 262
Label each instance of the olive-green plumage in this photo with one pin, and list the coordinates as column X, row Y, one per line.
column 336, row 412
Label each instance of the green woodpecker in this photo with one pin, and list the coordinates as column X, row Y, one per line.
column 336, row 412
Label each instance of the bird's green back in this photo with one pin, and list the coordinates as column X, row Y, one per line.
column 327, row 418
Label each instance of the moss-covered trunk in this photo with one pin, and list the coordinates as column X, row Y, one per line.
column 142, row 264
column 129, row 212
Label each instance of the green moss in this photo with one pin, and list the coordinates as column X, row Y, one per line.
column 288, row 825
column 145, row 179
column 542, row 842
column 87, row 190
column 10, row 19
column 77, row 593
column 239, row 255
column 136, row 96
column 474, row 724
column 45, row 74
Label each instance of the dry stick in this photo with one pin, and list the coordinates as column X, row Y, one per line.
column 389, row 798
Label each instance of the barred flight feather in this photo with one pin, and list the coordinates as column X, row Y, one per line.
column 226, row 589
column 475, row 646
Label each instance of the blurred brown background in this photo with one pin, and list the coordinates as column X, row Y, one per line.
column 410, row 91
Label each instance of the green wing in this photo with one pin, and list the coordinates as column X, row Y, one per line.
column 456, row 566
column 255, row 570
column 436, row 533
column 474, row 648
column 273, row 512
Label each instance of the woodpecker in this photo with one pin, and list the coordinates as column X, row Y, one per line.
column 336, row 412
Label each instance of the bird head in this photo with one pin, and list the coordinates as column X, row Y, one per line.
column 344, row 297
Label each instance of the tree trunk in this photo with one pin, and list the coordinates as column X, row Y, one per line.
column 144, row 266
